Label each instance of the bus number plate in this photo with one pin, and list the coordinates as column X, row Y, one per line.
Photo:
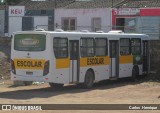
column 29, row 73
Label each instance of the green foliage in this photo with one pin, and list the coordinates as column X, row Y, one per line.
column 2, row 1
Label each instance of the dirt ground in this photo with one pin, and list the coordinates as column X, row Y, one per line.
column 106, row 92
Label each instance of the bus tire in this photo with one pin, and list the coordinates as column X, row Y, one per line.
column 134, row 73
column 26, row 83
column 56, row 85
column 89, row 80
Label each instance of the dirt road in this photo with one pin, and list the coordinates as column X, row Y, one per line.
column 115, row 92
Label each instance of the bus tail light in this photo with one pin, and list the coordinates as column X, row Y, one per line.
column 13, row 67
column 46, row 68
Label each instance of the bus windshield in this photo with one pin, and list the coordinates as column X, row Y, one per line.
column 30, row 42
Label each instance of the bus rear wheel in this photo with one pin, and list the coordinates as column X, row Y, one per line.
column 56, row 85
column 89, row 80
column 26, row 83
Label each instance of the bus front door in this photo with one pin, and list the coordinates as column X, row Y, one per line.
column 145, row 57
column 74, row 61
column 114, row 58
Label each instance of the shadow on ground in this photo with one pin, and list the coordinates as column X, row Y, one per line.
column 69, row 89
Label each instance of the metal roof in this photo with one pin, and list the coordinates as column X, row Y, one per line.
column 82, row 4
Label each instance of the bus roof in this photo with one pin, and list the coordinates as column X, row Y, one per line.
column 86, row 33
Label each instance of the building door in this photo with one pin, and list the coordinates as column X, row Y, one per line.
column 114, row 56
column 27, row 23
column 145, row 56
column 74, row 60
column 96, row 24
column 120, row 23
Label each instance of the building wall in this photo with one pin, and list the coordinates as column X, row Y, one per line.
column 39, row 12
column 41, row 22
column 15, row 24
column 155, row 56
column 149, row 25
column 23, row 19
column 84, row 17
column 150, row 11
column 147, row 21
column 2, row 22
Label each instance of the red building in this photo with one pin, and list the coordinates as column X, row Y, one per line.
column 137, row 20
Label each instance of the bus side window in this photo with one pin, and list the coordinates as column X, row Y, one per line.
column 136, row 46
column 60, row 46
column 87, row 47
column 101, row 47
column 125, row 46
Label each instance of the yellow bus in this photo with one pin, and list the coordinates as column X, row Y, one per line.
column 62, row 57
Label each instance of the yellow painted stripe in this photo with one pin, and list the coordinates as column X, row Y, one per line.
column 88, row 61
column 62, row 63
column 126, row 59
column 94, row 61
column 29, row 64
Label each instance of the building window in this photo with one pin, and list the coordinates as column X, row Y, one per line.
column 124, row 46
column 60, row 46
column 96, row 24
column 69, row 24
column 87, row 47
column 149, row 25
column 43, row 11
column 101, row 47
column 27, row 23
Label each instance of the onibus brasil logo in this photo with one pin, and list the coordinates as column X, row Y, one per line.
column 21, row 107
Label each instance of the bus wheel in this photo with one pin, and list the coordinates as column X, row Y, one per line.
column 89, row 80
column 134, row 73
column 56, row 85
column 26, row 83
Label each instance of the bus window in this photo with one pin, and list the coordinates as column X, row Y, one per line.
column 30, row 42
column 87, row 47
column 125, row 46
column 60, row 46
column 101, row 47
column 136, row 46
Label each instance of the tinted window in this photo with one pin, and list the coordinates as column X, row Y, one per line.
column 29, row 42
column 101, row 47
column 136, row 46
column 125, row 46
column 60, row 46
column 87, row 47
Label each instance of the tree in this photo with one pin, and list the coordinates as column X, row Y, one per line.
column 1, row 1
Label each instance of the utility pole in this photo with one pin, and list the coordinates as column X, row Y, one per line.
column 6, row 18
column 55, row 3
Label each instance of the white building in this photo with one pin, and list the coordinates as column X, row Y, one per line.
column 93, row 19
column 29, row 15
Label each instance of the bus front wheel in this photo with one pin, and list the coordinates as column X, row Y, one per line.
column 89, row 80
column 56, row 85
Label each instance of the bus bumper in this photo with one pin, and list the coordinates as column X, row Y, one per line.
column 28, row 78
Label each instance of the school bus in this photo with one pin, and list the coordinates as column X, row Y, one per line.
column 63, row 57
